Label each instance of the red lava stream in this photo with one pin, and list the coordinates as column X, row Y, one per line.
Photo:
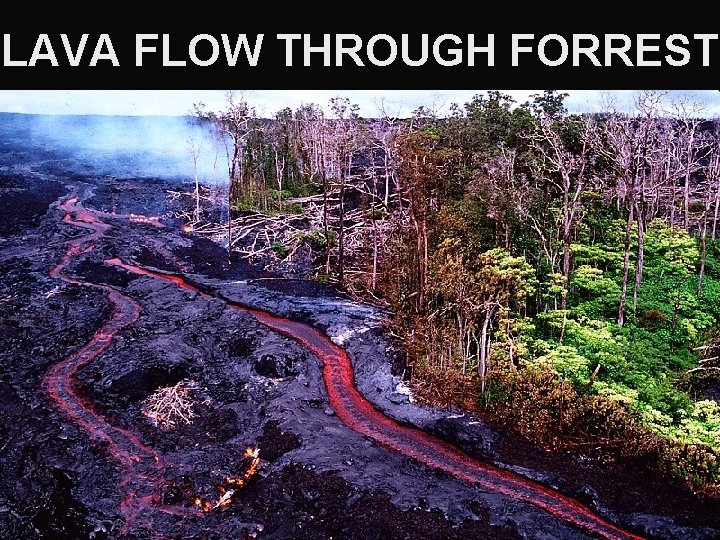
column 141, row 467
column 350, row 406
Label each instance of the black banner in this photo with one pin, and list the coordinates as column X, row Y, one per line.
column 391, row 58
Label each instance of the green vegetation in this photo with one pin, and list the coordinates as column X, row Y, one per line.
column 280, row 250
column 598, row 322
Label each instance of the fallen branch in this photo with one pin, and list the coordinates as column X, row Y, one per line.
column 693, row 370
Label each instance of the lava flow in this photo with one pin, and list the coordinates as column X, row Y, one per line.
column 360, row 415
column 140, row 466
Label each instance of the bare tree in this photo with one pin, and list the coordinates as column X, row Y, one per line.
column 344, row 141
column 629, row 145
column 688, row 115
column 648, row 105
column 712, row 174
column 711, row 198
column 233, row 126
column 312, row 149
column 564, row 150
column 195, row 148
column 386, row 133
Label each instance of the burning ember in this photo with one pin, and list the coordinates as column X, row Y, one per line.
column 253, row 454
column 188, row 227
column 227, row 492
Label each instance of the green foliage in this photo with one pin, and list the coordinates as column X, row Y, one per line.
column 316, row 238
column 696, row 464
column 248, row 202
column 590, row 283
column 545, row 408
column 710, row 297
column 670, row 251
column 376, row 214
column 293, row 208
column 550, row 411
column 461, row 221
column 698, row 423
column 492, row 277
column 566, row 362
column 279, row 249
column 512, row 341
column 616, row 392
column 696, row 207
column 600, row 256
column 488, row 120
column 668, row 303
column 280, row 194
column 637, row 363
column 322, row 277
column 549, row 103
column 712, row 258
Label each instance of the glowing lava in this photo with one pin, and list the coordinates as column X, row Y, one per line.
column 141, row 466
column 226, row 493
column 360, row 415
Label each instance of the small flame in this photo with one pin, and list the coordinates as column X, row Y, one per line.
column 254, row 454
column 226, row 494
column 205, row 506
column 225, row 500
column 187, row 227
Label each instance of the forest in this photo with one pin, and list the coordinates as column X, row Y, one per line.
column 556, row 273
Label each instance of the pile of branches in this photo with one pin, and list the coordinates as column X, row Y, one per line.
column 171, row 405
column 301, row 231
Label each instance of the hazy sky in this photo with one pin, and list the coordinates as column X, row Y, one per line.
column 267, row 102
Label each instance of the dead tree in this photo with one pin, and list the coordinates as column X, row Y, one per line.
column 687, row 115
column 345, row 140
column 564, row 151
column 233, row 127
column 629, row 145
column 712, row 174
column 195, row 149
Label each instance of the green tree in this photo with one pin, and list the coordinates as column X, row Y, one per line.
column 472, row 290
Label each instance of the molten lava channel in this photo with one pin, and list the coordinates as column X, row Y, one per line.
column 141, row 466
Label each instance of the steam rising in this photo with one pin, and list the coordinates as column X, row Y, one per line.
column 160, row 147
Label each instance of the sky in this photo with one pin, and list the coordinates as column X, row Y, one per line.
column 267, row 102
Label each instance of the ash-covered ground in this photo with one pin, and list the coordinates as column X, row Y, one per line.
column 97, row 467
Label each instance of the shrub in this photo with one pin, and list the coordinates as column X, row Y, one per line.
column 541, row 406
column 280, row 250
column 316, row 238
column 697, row 465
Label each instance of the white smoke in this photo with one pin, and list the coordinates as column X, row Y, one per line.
column 161, row 147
